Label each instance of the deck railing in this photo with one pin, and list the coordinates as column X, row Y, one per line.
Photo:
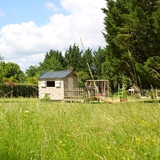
column 75, row 93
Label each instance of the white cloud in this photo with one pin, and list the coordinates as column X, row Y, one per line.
column 74, row 6
column 51, row 6
column 27, row 43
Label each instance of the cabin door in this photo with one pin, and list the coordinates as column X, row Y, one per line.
column 70, row 83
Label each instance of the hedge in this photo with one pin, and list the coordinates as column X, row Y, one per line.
column 18, row 90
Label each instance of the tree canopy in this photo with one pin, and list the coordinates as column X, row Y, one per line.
column 11, row 72
column 133, row 36
column 131, row 55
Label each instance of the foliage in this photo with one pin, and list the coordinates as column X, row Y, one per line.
column 85, row 63
column 52, row 62
column 10, row 89
column 131, row 56
column 24, row 90
column 31, row 71
column 1, row 58
column 73, row 58
column 11, row 72
column 99, row 57
column 6, row 90
column 82, row 77
column 132, row 36
column 32, row 80
column 87, row 60
column 46, row 97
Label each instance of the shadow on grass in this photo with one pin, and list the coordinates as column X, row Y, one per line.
column 151, row 101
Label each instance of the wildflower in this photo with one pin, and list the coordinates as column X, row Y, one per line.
column 137, row 141
column 26, row 111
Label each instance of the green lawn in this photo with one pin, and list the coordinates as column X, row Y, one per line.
column 35, row 130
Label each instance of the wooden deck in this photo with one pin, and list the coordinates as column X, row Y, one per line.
column 76, row 94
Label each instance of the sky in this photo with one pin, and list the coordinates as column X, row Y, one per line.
column 30, row 28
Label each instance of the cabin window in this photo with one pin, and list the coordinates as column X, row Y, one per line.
column 50, row 83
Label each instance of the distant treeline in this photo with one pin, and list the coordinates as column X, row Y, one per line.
column 131, row 56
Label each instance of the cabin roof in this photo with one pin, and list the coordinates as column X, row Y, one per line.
column 55, row 74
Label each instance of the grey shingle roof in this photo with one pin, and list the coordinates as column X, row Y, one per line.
column 55, row 74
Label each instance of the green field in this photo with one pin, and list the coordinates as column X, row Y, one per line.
column 35, row 130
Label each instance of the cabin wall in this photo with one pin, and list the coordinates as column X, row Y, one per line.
column 55, row 93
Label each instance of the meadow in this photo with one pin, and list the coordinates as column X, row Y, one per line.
column 34, row 130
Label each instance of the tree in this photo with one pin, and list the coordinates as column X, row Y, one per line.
column 73, row 58
column 11, row 72
column 150, row 72
column 99, row 57
column 53, row 61
column 87, row 59
column 32, row 80
column 32, row 71
column 132, row 36
column 32, row 74
column 57, row 55
column 1, row 58
column 82, row 77
column 116, row 54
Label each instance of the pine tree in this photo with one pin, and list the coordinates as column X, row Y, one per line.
column 53, row 61
column 132, row 35
column 73, row 58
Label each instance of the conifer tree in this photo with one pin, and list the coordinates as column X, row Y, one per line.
column 133, row 37
column 73, row 58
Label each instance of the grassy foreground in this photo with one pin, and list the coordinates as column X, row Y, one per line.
column 35, row 130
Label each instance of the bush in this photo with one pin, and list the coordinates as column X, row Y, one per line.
column 18, row 90
column 46, row 97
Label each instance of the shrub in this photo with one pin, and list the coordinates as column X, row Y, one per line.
column 46, row 97
column 17, row 90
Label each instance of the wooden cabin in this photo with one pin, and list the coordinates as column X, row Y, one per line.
column 59, row 85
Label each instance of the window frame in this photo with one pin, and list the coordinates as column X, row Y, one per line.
column 50, row 83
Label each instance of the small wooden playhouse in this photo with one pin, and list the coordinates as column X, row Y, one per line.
column 59, row 85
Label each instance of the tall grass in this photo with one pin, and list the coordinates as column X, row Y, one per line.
column 30, row 129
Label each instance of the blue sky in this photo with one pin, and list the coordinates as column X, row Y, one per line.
column 18, row 11
column 29, row 29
